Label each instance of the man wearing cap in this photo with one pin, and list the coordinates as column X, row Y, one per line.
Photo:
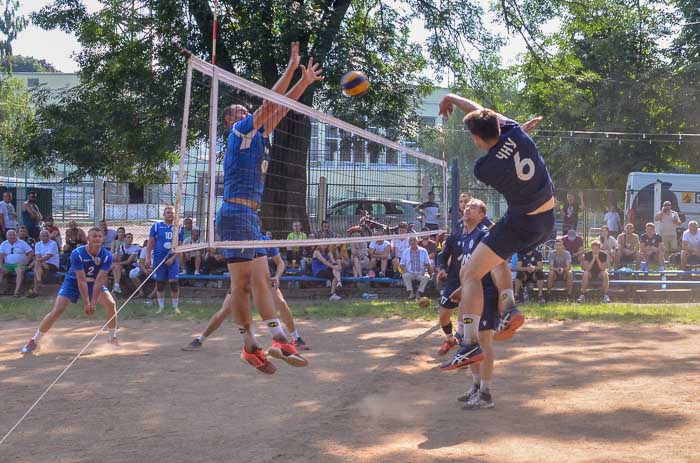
column 668, row 220
column 574, row 244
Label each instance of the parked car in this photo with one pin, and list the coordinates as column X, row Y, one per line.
column 345, row 214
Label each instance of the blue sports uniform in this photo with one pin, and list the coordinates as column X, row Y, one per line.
column 245, row 165
column 81, row 259
column 515, row 169
column 163, row 235
column 460, row 248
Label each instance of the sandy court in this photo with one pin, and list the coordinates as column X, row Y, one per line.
column 564, row 392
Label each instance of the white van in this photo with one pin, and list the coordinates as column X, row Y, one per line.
column 683, row 190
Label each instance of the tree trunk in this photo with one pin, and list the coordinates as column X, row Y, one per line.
column 284, row 199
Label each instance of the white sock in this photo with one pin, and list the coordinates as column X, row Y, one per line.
column 460, row 326
column 201, row 338
column 485, row 385
column 508, row 298
column 275, row 327
column 161, row 302
column 475, row 378
column 295, row 334
column 116, row 286
column 112, row 333
column 471, row 327
column 37, row 336
column 175, row 302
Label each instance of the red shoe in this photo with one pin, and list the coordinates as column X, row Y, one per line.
column 447, row 345
column 258, row 360
column 287, row 352
column 511, row 320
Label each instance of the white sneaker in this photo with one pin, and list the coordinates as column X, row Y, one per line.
column 606, row 299
column 335, row 297
column 196, row 272
column 581, row 299
column 116, row 290
column 339, row 285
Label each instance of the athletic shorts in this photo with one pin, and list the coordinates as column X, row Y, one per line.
column 165, row 272
column 490, row 315
column 526, row 277
column 69, row 289
column 596, row 274
column 13, row 267
column 135, row 273
column 519, row 233
column 235, row 222
column 326, row 274
column 558, row 276
column 445, row 293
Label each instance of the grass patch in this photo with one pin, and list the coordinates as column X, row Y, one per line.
column 35, row 309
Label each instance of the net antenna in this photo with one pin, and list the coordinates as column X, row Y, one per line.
column 317, row 163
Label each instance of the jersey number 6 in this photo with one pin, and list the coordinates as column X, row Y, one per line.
column 522, row 165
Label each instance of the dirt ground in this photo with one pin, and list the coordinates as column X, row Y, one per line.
column 564, row 392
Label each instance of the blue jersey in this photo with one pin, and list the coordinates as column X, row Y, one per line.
column 450, row 258
column 245, row 162
column 470, row 240
column 81, row 259
column 515, row 169
column 269, row 252
column 163, row 234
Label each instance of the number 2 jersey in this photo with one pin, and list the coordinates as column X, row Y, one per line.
column 515, row 169
column 81, row 259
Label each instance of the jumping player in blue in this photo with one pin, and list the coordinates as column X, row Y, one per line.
column 474, row 233
column 89, row 269
column 514, row 167
column 160, row 244
column 245, row 165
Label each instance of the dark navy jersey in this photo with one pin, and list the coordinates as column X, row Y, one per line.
column 245, row 161
column 470, row 240
column 81, row 259
column 450, row 258
column 515, row 169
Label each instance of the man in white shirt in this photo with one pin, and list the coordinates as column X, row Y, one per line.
column 192, row 259
column 612, row 220
column 379, row 252
column 690, row 255
column 8, row 212
column 15, row 254
column 45, row 259
column 415, row 265
column 668, row 222
column 398, row 246
column 430, row 210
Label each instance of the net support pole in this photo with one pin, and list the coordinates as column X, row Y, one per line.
column 454, row 174
column 322, row 201
column 183, row 151
column 213, row 112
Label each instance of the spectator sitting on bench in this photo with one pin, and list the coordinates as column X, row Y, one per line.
column 595, row 267
column 608, row 243
column 690, row 254
column 324, row 265
column 23, row 234
column 192, row 259
column 15, row 254
column 628, row 245
column 652, row 247
column 74, row 237
column 574, row 244
column 529, row 270
column 560, row 268
column 45, row 260
column 124, row 260
column 429, row 245
column 379, row 255
column 360, row 257
column 398, row 246
column 415, row 266
column 215, row 262
column 141, row 271
column 54, row 231
column 296, row 254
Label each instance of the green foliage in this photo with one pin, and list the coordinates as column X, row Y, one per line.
column 16, row 115
column 10, row 26
column 19, row 63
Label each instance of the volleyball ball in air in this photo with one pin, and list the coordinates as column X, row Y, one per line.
column 354, row 83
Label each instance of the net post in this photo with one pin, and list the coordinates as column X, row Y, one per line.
column 322, row 201
column 183, row 151
column 454, row 173
column 213, row 113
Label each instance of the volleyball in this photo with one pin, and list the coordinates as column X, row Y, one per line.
column 354, row 83
column 424, row 302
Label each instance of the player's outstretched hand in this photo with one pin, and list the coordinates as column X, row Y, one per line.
column 294, row 58
column 311, row 72
column 446, row 106
column 530, row 125
column 89, row 308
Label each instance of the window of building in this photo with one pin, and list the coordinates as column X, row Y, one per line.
column 32, row 82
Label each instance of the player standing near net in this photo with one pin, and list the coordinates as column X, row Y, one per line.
column 514, row 167
column 474, row 233
column 245, row 165
column 89, row 269
column 160, row 244
column 280, row 305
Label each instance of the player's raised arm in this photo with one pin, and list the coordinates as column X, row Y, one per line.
column 449, row 101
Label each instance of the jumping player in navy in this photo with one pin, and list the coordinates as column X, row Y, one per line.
column 89, row 269
column 245, row 165
column 479, row 395
column 514, row 167
column 160, row 244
